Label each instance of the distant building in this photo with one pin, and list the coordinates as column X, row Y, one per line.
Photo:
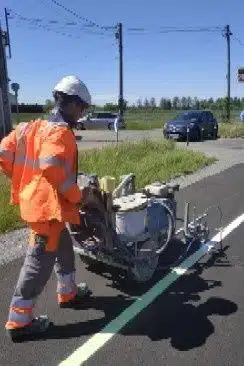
column 12, row 99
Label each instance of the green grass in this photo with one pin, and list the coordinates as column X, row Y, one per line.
column 231, row 130
column 9, row 214
column 24, row 117
column 149, row 160
column 150, row 119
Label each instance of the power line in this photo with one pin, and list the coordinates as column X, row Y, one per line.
column 44, row 27
column 37, row 23
column 72, row 12
column 239, row 41
column 193, row 28
column 87, row 28
column 50, row 25
column 56, row 22
column 174, row 29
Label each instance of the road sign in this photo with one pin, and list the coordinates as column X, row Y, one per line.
column 241, row 75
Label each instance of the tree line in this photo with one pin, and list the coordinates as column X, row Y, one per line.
column 181, row 103
column 28, row 108
column 176, row 103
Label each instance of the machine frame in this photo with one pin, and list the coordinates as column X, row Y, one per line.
column 138, row 258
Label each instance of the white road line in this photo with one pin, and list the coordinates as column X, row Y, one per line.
column 97, row 341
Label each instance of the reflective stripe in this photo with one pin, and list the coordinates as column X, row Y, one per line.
column 66, row 284
column 66, row 278
column 21, row 310
column 23, row 160
column 65, row 289
column 20, row 130
column 7, row 154
column 65, row 186
column 38, row 163
column 42, row 162
column 54, row 160
column 20, row 154
column 20, row 317
column 56, row 123
column 18, row 302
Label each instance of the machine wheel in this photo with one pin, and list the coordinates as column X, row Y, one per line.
column 147, row 260
column 166, row 235
column 146, row 263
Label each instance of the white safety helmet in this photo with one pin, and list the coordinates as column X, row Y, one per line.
column 72, row 85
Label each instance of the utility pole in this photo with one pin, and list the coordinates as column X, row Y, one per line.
column 119, row 36
column 227, row 35
column 5, row 111
column 8, row 34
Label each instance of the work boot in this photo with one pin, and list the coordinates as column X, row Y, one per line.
column 37, row 326
column 82, row 293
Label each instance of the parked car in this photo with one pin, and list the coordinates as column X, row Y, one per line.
column 99, row 120
column 201, row 124
column 242, row 116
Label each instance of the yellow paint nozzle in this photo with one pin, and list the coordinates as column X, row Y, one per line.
column 107, row 184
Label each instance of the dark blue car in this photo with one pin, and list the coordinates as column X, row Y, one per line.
column 200, row 124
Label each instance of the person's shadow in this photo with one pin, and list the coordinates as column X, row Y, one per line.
column 170, row 316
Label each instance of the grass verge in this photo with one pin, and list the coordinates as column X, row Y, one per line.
column 150, row 119
column 149, row 160
column 9, row 214
column 231, row 130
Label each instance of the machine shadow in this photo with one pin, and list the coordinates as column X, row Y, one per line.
column 118, row 280
column 171, row 316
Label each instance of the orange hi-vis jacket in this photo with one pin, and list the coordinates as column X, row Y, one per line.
column 41, row 159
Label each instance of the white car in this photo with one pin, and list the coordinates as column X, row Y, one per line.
column 99, row 120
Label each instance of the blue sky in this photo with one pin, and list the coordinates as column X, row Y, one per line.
column 155, row 65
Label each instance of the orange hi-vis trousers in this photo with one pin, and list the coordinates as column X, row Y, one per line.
column 50, row 247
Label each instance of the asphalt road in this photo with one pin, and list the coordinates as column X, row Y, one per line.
column 99, row 138
column 197, row 321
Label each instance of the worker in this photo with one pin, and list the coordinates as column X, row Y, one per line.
column 41, row 159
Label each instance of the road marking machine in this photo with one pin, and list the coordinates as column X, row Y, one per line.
column 134, row 228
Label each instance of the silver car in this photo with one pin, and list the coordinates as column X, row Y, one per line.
column 99, row 120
